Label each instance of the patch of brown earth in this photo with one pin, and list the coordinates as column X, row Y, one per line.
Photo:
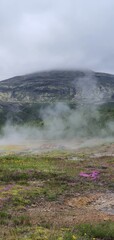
column 82, row 201
column 81, row 209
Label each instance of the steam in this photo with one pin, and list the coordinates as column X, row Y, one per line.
column 88, row 90
column 79, row 126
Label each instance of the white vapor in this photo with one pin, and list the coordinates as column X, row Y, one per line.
column 61, row 123
column 63, row 126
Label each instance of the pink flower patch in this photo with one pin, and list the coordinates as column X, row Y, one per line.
column 93, row 175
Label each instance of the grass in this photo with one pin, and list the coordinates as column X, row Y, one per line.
column 103, row 231
column 27, row 182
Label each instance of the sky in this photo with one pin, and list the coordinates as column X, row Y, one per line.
column 38, row 35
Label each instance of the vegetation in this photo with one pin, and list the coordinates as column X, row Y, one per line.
column 43, row 183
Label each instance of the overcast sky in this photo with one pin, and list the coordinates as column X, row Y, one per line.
column 51, row 34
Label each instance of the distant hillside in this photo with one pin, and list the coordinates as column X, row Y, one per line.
column 22, row 95
column 52, row 86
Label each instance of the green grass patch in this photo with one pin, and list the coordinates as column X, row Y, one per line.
column 24, row 231
column 103, row 231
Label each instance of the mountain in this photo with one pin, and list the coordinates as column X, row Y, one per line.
column 52, row 86
column 22, row 96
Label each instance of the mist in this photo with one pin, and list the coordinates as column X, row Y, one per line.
column 82, row 126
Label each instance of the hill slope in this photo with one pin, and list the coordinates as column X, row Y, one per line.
column 53, row 85
column 23, row 95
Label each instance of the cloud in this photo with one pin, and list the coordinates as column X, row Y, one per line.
column 37, row 35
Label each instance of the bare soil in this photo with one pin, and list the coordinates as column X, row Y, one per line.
column 95, row 207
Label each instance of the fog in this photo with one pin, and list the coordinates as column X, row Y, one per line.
column 63, row 126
